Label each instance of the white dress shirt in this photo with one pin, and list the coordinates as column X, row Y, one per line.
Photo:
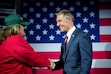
column 69, row 33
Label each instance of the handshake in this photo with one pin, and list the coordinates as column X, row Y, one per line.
column 52, row 64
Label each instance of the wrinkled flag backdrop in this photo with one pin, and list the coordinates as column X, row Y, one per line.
column 91, row 16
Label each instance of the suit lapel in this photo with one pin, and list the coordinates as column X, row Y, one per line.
column 70, row 42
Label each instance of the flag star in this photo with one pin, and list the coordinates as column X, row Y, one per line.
column 51, row 37
column 38, row 26
column 51, row 15
column 86, row 30
column 44, row 20
column 51, row 3
column 24, row 4
column 38, row 4
column 85, row 8
column 78, row 3
column 92, row 14
column 31, row 32
column 92, row 37
column 85, row 20
column 58, row 9
column 92, row 25
column 24, row 15
column 31, row 9
column 38, row 15
column 64, row 36
column 25, row 27
column 51, row 26
column 78, row 14
column 44, row 32
column 31, row 20
column 44, row 9
column 38, row 38
column 58, row 32
column 64, row 3
column 92, row 3
column 25, row 37
column 71, row 8
column 79, row 25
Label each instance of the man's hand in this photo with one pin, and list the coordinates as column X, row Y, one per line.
column 52, row 64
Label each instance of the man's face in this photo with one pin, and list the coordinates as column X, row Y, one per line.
column 62, row 23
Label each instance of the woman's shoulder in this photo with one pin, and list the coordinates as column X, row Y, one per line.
column 14, row 38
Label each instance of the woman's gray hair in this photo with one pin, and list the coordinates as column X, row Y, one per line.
column 8, row 31
column 66, row 13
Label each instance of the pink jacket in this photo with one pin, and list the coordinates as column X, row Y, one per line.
column 18, row 57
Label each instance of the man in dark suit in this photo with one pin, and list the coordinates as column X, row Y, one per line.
column 76, row 56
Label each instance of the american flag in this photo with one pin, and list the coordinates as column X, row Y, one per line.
column 91, row 16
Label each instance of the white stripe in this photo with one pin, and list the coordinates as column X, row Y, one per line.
column 46, row 47
column 96, row 63
column 55, row 47
column 103, row 46
column 105, row 30
column 101, row 63
column 104, row 13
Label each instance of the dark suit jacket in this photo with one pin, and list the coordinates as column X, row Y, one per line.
column 77, row 58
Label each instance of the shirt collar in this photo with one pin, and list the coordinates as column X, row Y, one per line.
column 69, row 33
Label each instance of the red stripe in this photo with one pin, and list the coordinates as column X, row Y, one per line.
column 96, row 54
column 93, row 71
column 52, row 55
column 105, row 5
column 105, row 22
column 105, row 38
column 101, row 54
column 100, row 71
